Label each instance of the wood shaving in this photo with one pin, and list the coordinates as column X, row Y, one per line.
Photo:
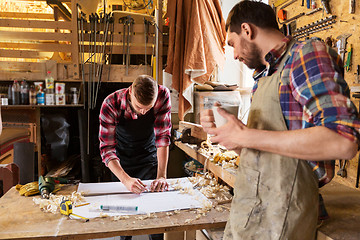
column 53, row 203
column 147, row 216
column 121, row 217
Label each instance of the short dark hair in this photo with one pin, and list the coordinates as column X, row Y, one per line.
column 145, row 89
column 257, row 13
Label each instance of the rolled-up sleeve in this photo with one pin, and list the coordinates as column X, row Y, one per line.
column 107, row 132
column 162, row 124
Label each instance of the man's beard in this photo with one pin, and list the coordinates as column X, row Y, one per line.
column 253, row 60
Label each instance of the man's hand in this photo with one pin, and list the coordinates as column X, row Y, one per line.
column 135, row 185
column 232, row 135
column 159, row 185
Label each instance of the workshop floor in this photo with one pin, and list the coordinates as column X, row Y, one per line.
column 140, row 237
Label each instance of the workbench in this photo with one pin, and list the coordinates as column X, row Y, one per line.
column 20, row 218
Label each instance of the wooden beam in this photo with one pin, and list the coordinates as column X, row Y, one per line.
column 16, row 36
column 26, row 15
column 23, row 54
column 42, row 47
column 75, row 40
column 34, row 24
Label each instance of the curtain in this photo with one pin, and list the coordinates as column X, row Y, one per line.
column 196, row 45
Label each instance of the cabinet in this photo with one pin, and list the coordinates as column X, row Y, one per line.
column 28, row 117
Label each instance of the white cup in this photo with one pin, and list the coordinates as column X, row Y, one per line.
column 220, row 120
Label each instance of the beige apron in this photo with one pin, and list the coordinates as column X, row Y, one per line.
column 276, row 197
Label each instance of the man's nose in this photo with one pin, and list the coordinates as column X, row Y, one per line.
column 143, row 111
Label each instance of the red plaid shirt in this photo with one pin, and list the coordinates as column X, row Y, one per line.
column 110, row 113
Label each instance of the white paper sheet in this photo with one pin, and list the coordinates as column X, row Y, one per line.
column 146, row 202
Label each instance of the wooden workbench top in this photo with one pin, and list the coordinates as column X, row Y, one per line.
column 21, row 218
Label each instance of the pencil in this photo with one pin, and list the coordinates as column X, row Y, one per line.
column 80, row 205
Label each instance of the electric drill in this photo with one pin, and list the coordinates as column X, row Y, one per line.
column 46, row 186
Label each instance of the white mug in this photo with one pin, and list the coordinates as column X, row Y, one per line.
column 220, row 120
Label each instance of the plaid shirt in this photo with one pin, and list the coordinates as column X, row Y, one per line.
column 313, row 92
column 110, row 113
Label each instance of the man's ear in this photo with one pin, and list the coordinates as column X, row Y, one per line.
column 247, row 30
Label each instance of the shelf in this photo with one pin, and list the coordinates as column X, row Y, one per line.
column 38, row 106
column 227, row 175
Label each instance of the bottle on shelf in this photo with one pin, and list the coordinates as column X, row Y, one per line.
column 10, row 94
column 49, row 81
column 24, row 93
column 32, row 95
column 15, row 93
column 74, row 96
column 40, row 97
column 49, row 96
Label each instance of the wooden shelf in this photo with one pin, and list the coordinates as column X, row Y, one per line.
column 38, row 106
column 227, row 175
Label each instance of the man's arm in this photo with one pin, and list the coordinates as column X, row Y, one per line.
column 163, row 157
column 315, row 144
column 132, row 184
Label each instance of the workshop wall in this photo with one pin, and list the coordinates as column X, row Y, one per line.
column 344, row 23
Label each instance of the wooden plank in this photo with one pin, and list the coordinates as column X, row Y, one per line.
column 34, row 24
column 26, row 15
column 19, row 66
column 159, row 43
column 117, row 73
column 21, row 36
column 23, row 54
column 45, row 47
column 75, row 40
column 21, row 218
column 197, row 130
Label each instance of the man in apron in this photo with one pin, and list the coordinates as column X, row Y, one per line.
column 299, row 113
column 135, row 128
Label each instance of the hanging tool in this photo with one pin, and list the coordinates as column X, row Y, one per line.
column 280, row 2
column 313, row 11
column 66, row 209
column 342, row 171
column 313, row 4
column 326, row 6
column 293, row 18
column 348, row 60
column 282, row 14
column 341, row 44
column 302, row 3
column 357, row 73
column 288, row 4
column 352, row 6
column 308, row 4
column 128, row 22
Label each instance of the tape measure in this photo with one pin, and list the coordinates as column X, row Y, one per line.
column 66, row 209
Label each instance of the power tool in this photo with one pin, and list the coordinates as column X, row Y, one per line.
column 46, row 186
column 66, row 209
